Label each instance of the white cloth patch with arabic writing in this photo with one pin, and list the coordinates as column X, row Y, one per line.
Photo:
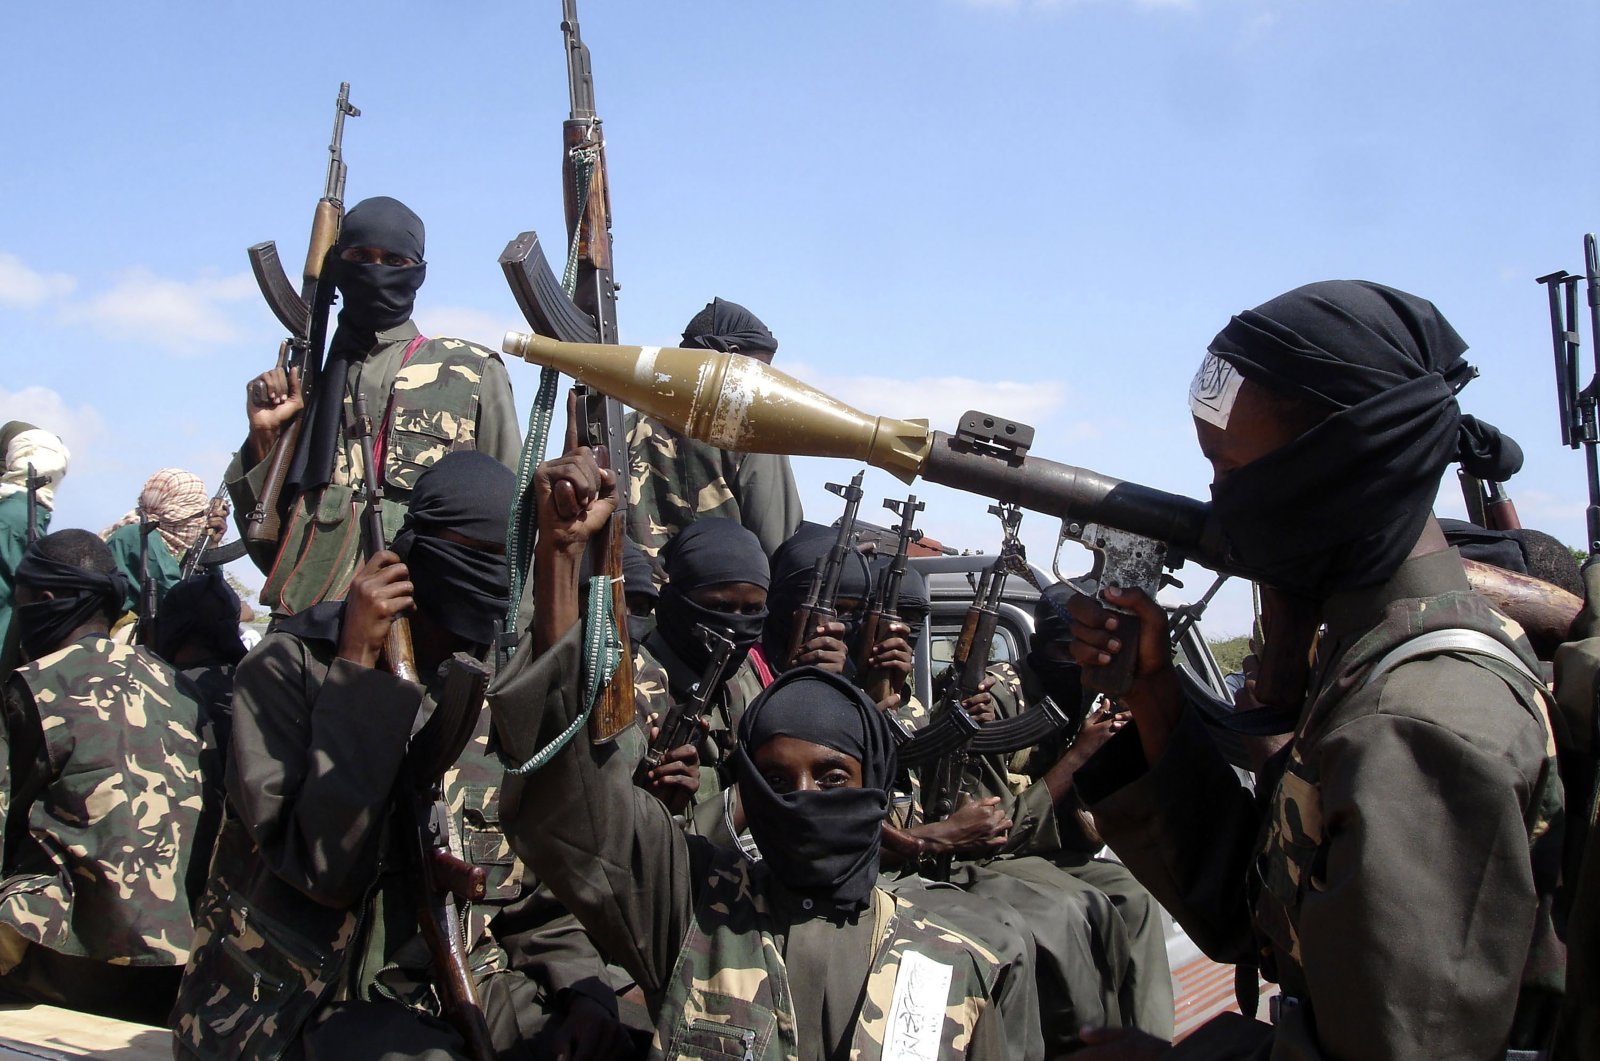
column 1214, row 390
column 916, row 1013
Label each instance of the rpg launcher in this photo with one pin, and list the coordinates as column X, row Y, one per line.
column 305, row 314
column 738, row 403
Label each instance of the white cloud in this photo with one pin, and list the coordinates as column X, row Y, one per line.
column 939, row 399
column 82, row 428
column 465, row 322
column 183, row 316
column 24, row 288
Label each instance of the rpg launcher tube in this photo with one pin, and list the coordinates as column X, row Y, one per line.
column 738, row 403
column 733, row 402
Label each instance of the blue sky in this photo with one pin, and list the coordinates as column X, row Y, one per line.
column 1042, row 209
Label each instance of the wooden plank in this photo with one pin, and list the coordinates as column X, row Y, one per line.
column 47, row 1033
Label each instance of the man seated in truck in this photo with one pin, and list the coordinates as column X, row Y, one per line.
column 103, row 800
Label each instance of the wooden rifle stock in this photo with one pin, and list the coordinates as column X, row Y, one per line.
column 1545, row 612
column 437, row 876
column 397, row 648
column 615, row 710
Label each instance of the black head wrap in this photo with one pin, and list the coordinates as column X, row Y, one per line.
column 1060, row 678
column 78, row 594
column 201, row 610
column 1343, row 504
column 638, row 573
column 821, row 844
column 792, row 565
column 709, row 552
column 461, row 587
column 729, row 327
column 376, row 298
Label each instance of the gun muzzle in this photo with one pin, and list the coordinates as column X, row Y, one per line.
column 734, row 402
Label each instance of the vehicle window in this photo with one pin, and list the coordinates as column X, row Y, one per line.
column 942, row 647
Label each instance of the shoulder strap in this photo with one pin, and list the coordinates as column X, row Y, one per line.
column 380, row 445
column 1455, row 639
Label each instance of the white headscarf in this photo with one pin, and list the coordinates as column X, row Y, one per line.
column 48, row 455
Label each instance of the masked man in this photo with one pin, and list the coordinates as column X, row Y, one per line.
column 103, row 799
column 174, row 510
column 798, row 956
column 677, row 480
column 717, row 584
column 426, row 397
column 1394, row 876
column 308, row 935
column 21, row 446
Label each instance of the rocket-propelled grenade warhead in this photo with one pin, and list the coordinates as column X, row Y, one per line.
column 734, row 402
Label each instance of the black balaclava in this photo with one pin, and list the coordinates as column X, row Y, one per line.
column 376, row 298
column 729, row 327
column 461, row 587
column 821, row 844
column 638, row 578
column 1061, row 679
column 1342, row 505
column 709, row 552
column 202, row 610
column 79, row 595
column 792, row 565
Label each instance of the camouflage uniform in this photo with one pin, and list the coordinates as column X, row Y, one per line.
column 307, row 908
column 673, row 481
column 1100, row 935
column 715, row 943
column 448, row 395
column 742, row 686
column 1395, row 881
column 101, row 815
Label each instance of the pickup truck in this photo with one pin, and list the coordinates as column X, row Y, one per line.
column 1201, row 987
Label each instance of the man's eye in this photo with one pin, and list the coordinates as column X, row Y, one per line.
column 777, row 782
column 834, row 779
column 394, row 260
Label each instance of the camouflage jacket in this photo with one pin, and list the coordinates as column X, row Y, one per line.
column 742, row 686
column 1396, row 876
column 102, row 812
column 449, row 394
column 673, row 481
column 593, row 838
column 307, row 900
column 926, row 989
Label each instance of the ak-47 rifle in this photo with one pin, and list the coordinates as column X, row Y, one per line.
column 584, row 308
column 821, row 602
column 683, row 723
column 205, row 552
column 35, row 481
column 883, row 607
column 944, row 785
column 145, row 612
column 1579, row 408
column 397, row 650
column 1488, row 504
column 437, row 874
column 305, row 314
